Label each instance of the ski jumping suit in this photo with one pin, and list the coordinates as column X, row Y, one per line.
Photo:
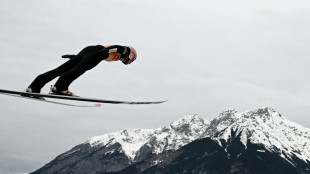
column 78, row 64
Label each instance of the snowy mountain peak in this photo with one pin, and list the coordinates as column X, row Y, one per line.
column 172, row 137
column 228, row 113
column 262, row 126
column 191, row 122
column 257, row 138
column 218, row 124
column 263, row 112
column 267, row 127
column 131, row 140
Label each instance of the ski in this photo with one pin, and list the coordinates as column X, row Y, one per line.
column 53, row 102
column 2, row 91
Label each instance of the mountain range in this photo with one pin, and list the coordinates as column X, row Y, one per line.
column 252, row 142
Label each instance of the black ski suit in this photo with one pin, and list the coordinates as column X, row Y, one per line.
column 78, row 64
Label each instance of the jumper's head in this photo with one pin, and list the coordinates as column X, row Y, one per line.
column 131, row 57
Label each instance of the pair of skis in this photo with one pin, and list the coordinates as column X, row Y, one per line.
column 46, row 97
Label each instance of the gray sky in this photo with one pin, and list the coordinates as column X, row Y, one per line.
column 204, row 56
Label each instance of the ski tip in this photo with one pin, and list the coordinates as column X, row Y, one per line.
column 97, row 105
column 161, row 102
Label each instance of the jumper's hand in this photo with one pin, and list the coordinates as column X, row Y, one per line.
column 68, row 56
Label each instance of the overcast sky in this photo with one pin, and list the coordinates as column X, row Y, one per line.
column 204, row 56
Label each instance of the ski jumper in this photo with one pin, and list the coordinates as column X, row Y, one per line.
column 78, row 64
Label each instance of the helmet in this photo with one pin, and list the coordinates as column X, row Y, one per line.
column 131, row 57
column 133, row 53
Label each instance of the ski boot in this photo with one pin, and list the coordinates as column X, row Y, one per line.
column 29, row 90
column 54, row 91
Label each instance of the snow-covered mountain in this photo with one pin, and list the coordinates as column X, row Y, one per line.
column 267, row 127
column 262, row 135
column 172, row 137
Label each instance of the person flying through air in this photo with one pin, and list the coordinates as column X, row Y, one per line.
column 86, row 59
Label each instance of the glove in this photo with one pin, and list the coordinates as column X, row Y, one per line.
column 68, row 56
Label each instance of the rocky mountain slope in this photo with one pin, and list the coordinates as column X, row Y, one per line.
column 256, row 141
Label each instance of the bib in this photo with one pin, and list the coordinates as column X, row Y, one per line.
column 115, row 56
